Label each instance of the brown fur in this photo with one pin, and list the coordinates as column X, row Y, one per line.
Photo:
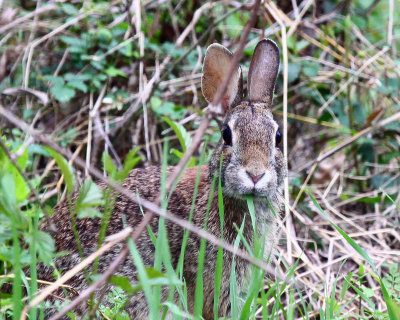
column 253, row 152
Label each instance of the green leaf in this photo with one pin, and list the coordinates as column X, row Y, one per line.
column 233, row 25
column 18, row 189
column 82, row 77
column 130, row 162
column 54, row 80
column 183, row 136
column 74, row 42
column 166, row 108
column 44, row 244
column 62, row 93
column 153, row 273
column 37, row 149
column 90, row 196
column 65, row 168
column 8, row 197
column 114, row 72
column 109, row 165
column 293, row 71
column 104, row 34
column 78, row 84
column 69, row 9
column 310, row 68
column 123, row 283
column 302, row 44
column 179, row 154
column 177, row 311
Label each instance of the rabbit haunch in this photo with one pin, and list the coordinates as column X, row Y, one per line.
column 252, row 164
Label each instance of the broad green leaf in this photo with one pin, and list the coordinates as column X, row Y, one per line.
column 153, row 273
column 293, row 71
column 166, row 108
column 65, row 168
column 78, row 84
column 109, row 165
column 130, row 162
column 54, row 80
column 114, row 72
column 90, row 196
column 122, row 282
column 74, row 42
column 179, row 154
column 62, row 93
column 233, row 24
column 183, row 136
column 310, row 68
column 23, row 159
column 18, row 189
column 104, row 34
column 44, row 243
column 37, row 149
column 70, row 9
column 82, row 77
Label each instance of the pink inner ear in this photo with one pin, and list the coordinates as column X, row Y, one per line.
column 225, row 103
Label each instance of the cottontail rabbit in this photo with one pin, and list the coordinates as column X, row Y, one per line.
column 252, row 164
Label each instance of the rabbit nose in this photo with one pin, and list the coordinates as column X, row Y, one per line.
column 255, row 178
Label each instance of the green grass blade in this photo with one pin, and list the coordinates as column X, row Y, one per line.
column 144, row 280
column 220, row 260
column 233, row 283
column 33, row 271
column 198, row 298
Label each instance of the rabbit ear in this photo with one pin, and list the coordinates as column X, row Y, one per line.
column 216, row 64
column 263, row 72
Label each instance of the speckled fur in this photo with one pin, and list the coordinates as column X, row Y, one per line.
column 253, row 150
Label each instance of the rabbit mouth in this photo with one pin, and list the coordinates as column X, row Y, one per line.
column 255, row 192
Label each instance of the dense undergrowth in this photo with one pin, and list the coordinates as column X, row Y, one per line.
column 112, row 81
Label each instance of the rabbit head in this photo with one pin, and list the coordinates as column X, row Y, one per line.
column 252, row 162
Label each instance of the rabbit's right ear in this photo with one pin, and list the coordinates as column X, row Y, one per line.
column 216, row 64
column 263, row 72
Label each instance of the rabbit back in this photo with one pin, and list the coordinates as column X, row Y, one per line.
column 146, row 182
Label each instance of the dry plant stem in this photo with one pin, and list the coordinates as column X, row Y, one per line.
column 303, row 186
column 273, row 10
column 85, row 294
column 94, row 113
column 19, row 21
column 89, row 137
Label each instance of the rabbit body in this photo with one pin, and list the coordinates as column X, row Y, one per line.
column 251, row 164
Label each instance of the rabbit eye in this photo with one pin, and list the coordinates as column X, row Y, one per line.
column 227, row 135
column 278, row 137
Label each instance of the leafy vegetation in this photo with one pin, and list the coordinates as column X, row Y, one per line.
column 112, row 81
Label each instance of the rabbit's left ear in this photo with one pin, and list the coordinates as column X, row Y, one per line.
column 216, row 64
column 263, row 72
